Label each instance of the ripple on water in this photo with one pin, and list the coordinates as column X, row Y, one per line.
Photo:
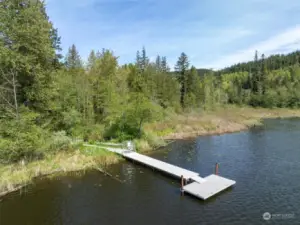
column 264, row 162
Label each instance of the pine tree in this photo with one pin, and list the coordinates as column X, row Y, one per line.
column 73, row 60
column 164, row 65
column 263, row 74
column 138, row 61
column 192, row 86
column 91, row 60
column 255, row 75
column 158, row 63
column 144, row 60
column 192, row 80
column 181, row 68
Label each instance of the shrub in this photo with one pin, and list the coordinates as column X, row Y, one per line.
column 94, row 133
column 60, row 141
column 141, row 145
column 22, row 139
column 153, row 140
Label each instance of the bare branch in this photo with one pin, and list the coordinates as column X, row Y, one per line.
column 7, row 102
column 6, row 89
column 13, row 82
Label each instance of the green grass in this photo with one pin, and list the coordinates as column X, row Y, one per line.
column 94, row 151
column 164, row 132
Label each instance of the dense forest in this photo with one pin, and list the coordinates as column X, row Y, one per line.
column 47, row 100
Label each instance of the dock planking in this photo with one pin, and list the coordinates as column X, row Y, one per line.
column 160, row 165
column 202, row 188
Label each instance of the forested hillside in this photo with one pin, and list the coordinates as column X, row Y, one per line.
column 46, row 100
column 266, row 82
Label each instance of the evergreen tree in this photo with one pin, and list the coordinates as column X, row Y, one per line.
column 181, row 68
column 164, row 65
column 158, row 63
column 138, row 61
column 192, row 87
column 263, row 74
column 91, row 60
column 73, row 60
column 255, row 74
column 144, row 59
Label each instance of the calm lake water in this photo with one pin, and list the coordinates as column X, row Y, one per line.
column 265, row 163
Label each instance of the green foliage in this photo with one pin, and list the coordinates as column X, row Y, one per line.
column 73, row 60
column 44, row 102
column 181, row 68
column 93, row 132
column 153, row 139
column 59, row 141
column 70, row 119
column 270, row 99
column 138, row 112
column 274, row 62
column 28, row 45
column 22, row 139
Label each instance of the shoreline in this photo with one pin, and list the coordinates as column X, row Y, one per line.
column 189, row 126
column 219, row 131
column 16, row 176
column 220, row 121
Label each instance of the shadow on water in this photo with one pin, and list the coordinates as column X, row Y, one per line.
column 210, row 200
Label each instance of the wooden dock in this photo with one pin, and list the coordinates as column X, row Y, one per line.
column 197, row 186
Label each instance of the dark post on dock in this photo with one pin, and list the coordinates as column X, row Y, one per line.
column 217, row 169
column 182, row 184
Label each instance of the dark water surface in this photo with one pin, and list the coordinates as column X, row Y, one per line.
column 265, row 162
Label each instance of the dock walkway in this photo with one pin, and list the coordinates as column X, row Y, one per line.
column 197, row 186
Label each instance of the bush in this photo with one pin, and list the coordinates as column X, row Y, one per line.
column 70, row 119
column 121, row 131
column 153, row 140
column 60, row 141
column 94, row 133
column 270, row 99
column 141, row 145
column 22, row 139
column 256, row 100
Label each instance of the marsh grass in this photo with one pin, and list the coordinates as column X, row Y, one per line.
column 220, row 120
column 20, row 174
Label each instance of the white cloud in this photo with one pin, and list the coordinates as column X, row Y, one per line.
column 287, row 41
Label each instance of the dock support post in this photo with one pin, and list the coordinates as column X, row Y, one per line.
column 182, row 183
column 217, row 169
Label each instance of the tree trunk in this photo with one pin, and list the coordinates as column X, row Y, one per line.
column 15, row 95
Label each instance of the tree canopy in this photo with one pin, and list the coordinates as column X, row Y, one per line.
column 43, row 95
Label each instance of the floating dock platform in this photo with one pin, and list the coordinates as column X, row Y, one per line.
column 212, row 185
column 197, row 186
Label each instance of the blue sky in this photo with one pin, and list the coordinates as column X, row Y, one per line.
column 213, row 33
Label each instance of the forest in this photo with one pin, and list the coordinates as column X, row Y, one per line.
column 47, row 100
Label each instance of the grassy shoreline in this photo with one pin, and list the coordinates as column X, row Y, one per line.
column 221, row 120
column 16, row 176
column 189, row 125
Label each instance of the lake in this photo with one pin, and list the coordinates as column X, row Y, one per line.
column 264, row 162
